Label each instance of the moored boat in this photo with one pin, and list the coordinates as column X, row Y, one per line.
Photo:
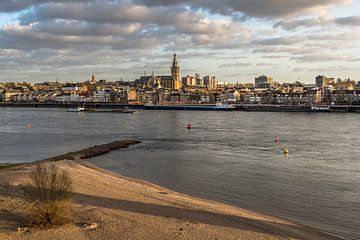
column 77, row 109
column 210, row 107
column 321, row 109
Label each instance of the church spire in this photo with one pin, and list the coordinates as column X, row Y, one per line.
column 174, row 63
column 175, row 74
column 93, row 79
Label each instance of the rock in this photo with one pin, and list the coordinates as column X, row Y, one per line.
column 22, row 229
column 163, row 193
column 90, row 225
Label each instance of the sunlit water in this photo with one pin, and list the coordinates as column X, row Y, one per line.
column 227, row 156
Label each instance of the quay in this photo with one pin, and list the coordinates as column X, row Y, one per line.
column 239, row 107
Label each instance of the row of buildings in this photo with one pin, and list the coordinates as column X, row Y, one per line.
column 189, row 89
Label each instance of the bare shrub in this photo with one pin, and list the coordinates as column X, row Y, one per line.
column 50, row 191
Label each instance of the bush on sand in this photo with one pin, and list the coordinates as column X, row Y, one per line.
column 50, row 191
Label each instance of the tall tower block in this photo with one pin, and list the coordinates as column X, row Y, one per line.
column 175, row 73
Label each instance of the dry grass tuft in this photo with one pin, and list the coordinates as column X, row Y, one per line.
column 50, row 191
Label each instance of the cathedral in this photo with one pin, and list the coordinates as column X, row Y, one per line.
column 170, row 82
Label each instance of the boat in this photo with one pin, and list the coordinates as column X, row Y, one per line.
column 77, row 109
column 321, row 109
column 224, row 106
column 207, row 107
column 124, row 110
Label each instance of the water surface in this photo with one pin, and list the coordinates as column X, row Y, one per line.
column 227, row 156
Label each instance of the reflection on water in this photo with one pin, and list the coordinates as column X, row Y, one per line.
column 226, row 156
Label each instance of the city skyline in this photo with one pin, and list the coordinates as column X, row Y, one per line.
column 235, row 41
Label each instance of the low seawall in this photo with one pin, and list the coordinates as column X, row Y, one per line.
column 298, row 108
column 239, row 107
column 74, row 105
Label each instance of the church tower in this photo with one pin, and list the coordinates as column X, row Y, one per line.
column 93, row 79
column 175, row 73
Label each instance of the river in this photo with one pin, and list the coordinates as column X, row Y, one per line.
column 227, row 156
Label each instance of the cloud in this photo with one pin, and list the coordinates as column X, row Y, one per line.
column 118, row 36
column 18, row 5
column 235, row 65
column 120, row 26
column 326, row 69
column 265, row 64
column 273, row 56
column 311, row 58
column 254, row 8
column 308, row 23
column 351, row 21
column 294, row 24
column 26, row 38
column 278, row 41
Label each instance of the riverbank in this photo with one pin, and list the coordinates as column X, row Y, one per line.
column 119, row 207
column 197, row 107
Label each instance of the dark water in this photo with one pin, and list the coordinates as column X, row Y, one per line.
column 227, row 156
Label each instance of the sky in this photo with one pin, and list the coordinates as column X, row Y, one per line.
column 234, row 40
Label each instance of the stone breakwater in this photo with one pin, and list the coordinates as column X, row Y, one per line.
column 81, row 154
column 93, row 151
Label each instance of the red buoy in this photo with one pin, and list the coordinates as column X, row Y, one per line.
column 189, row 126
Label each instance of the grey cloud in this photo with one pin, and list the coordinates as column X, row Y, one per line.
column 273, row 56
column 234, row 65
column 18, row 5
column 111, row 13
column 299, row 69
column 317, row 22
column 331, row 69
column 81, row 28
column 317, row 58
column 352, row 21
column 255, row 8
column 309, row 22
column 265, row 64
column 26, row 39
column 119, row 26
column 278, row 41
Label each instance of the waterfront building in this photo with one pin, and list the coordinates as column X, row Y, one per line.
column 8, row 94
column 70, row 88
column 210, row 81
column 233, row 96
column 263, row 79
column 322, row 81
column 188, row 81
column 91, row 85
column 101, row 96
column 185, row 96
column 199, row 81
column 346, row 84
column 131, row 94
column 345, row 97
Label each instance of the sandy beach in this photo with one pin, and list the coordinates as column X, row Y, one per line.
column 124, row 208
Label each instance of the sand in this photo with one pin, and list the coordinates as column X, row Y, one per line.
column 111, row 206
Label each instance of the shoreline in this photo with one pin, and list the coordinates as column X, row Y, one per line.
column 239, row 107
column 93, row 184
